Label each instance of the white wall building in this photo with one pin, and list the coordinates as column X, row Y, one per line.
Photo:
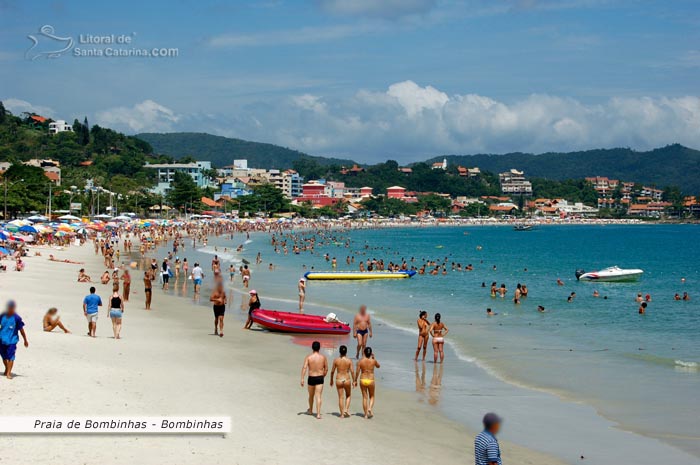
column 513, row 182
column 166, row 174
column 59, row 126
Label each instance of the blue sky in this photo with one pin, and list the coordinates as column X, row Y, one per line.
column 371, row 79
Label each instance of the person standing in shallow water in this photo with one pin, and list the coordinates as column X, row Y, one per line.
column 343, row 381
column 362, row 326
column 423, row 333
column 316, row 365
column 438, row 331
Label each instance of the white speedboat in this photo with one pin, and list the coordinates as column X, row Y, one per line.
column 612, row 274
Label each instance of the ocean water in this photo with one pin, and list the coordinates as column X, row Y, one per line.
column 638, row 372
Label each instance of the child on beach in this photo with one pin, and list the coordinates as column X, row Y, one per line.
column 11, row 326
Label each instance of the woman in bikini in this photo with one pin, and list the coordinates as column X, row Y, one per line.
column 438, row 331
column 423, row 333
column 343, row 381
column 365, row 371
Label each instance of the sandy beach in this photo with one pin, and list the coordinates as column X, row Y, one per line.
column 169, row 363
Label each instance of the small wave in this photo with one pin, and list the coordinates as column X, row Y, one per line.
column 228, row 256
column 686, row 366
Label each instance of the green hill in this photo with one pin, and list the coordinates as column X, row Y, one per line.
column 221, row 151
column 670, row 165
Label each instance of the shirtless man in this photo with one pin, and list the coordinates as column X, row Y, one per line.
column 218, row 299
column 365, row 371
column 316, row 365
column 343, row 381
column 362, row 326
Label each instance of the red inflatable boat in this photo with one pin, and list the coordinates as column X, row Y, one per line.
column 298, row 322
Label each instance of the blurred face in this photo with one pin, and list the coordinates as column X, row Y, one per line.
column 496, row 428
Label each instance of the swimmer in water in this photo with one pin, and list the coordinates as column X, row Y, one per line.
column 365, row 371
column 559, row 282
column 343, row 380
column 642, row 308
column 596, row 293
column 423, row 333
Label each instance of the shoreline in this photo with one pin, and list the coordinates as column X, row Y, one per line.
column 245, row 375
column 654, row 446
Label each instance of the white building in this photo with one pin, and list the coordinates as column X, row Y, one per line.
column 59, row 126
column 440, row 165
column 513, row 182
column 166, row 174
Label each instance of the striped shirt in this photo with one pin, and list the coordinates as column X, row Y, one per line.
column 486, row 450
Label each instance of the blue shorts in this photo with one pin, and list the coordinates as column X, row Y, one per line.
column 115, row 313
column 7, row 351
column 197, row 282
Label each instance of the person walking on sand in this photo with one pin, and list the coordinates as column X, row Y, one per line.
column 11, row 326
column 116, row 311
column 91, row 304
column 302, row 294
column 438, row 331
column 52, row 321
column 253, row 304
column 362, row 327
column 126, row 277
column 343, row 381
column 218, row 299
column 365, row 371
column 423, row 333
column 486, row 448
column 316, row 365
column 148, row 288
column 197, row 276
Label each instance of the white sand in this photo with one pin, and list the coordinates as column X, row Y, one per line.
column 167, row 363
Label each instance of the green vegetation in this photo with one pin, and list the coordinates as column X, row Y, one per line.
column 221, row 151
column 110, row 159
column 673, row 164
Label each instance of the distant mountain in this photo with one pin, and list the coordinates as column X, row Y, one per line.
column 671, row 165
column 221, row 151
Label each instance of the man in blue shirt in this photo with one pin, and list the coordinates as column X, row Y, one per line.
column 486, row 449
column 91, row 304
column 11, row 326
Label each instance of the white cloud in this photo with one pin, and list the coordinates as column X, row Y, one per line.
column 409, row 122
column 18, row 106
column 377, row 8
column 147, row 116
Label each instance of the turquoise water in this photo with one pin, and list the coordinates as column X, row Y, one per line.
column 639, row 371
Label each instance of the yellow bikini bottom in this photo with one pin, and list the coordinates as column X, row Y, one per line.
column 366, row 382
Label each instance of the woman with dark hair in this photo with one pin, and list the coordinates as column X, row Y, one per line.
column 343, row 381
column 438, row 331
column 365, row 371
column 253, row 304
column 423, row 333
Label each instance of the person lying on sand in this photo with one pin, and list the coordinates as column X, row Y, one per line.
column 53, row 321
column 65, row 260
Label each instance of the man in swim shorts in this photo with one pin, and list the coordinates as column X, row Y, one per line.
column 316, row 365
column 218, row 298
column 91, row 304
column 362, row 327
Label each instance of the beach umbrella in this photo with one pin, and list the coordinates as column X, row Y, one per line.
column 12, row 227
column 81, row 231
column 69, row 218
column 4, row 251
column 3, row 236
column 37, row 218
column 28, row 229
column 18, row 223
